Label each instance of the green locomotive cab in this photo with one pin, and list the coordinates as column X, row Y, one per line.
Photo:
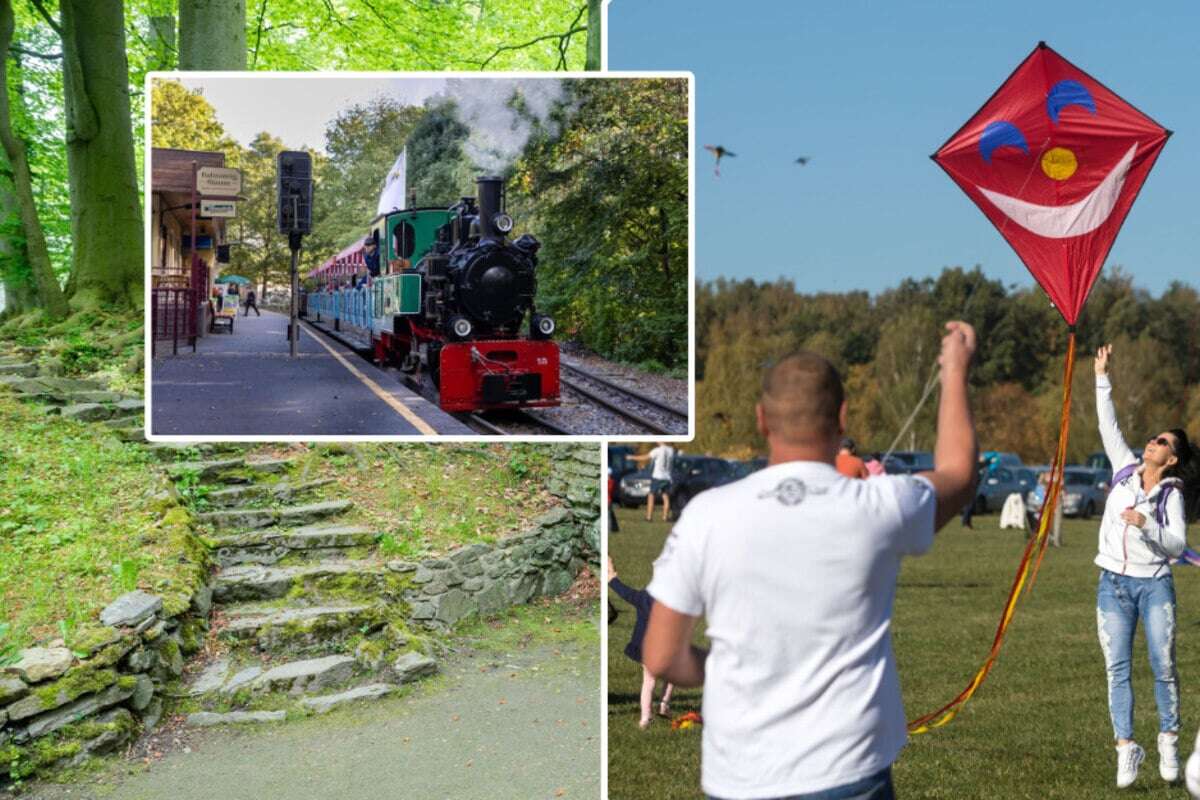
column 404, row 238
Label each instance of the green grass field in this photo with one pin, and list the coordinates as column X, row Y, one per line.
column 1037, row 728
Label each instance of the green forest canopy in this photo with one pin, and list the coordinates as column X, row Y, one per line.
column 885, row 346
column 279, row 35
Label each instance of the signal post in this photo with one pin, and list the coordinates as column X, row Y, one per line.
column 295, row 191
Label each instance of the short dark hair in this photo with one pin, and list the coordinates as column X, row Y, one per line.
column 802, row 397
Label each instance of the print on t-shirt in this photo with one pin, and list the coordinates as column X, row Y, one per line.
column 791, row 491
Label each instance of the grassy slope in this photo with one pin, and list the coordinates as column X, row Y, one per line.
column 1038, row 728
column 429, row 499
column 75, row 528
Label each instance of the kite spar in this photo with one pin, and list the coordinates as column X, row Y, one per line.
column 1054, row 159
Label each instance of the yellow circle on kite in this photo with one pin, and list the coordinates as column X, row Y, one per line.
column 1059, row 163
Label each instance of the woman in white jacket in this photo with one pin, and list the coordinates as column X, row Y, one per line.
column 1141, row 532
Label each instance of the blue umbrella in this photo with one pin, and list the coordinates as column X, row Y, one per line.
column 231, row 279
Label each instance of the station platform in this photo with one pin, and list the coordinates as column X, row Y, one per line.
column 247, row 384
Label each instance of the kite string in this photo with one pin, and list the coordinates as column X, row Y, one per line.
column 1037, row 542
column 929, row 384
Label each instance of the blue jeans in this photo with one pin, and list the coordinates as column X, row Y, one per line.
column 873, row 787
column 1120, row 602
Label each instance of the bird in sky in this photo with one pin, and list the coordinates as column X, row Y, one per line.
column 802, row 160
column 719, row 151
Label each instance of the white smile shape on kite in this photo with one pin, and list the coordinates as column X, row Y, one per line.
column 1063, row 222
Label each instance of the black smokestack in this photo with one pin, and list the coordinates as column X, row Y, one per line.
column 491, row 202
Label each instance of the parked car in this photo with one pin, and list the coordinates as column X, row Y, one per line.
column 1102, row 466
column 1083, row 494
column 999, row 483
column 906, row 462
column 619, row 465
column 995, row 458
column 694, row 475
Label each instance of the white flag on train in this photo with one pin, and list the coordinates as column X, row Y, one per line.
column 394, row 186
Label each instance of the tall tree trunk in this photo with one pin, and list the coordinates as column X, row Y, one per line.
column 594, row 28
column 49, row 293
column 16, row 281
column 212, row 34
column 106, row 209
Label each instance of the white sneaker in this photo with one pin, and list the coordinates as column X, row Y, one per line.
column 1192, row 774
column 1168, row 757
column 1129, row 758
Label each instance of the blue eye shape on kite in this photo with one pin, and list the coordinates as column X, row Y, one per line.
column 1068, row 93
column 1000, row 134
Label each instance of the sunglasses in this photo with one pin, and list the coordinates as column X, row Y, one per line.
column 1161, row 441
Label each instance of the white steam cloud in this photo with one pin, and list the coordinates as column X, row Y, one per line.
column 499, row 132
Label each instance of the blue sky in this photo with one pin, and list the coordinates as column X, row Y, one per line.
column 869, row 90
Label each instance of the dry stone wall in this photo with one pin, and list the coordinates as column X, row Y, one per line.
column 484, row 579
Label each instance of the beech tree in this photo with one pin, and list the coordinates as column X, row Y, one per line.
column 106, row 209
column 37, row 285
column 212, row 34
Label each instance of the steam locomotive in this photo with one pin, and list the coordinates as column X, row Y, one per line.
column 452, row 297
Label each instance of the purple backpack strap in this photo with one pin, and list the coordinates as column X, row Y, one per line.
column 1123, row 473
column 1160, row 508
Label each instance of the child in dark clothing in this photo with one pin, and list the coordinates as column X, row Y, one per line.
column 641, row 600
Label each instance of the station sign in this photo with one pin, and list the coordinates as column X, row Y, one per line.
column 218, row 208
column 222, row 181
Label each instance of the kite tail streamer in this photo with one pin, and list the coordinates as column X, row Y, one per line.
column 1036, row 543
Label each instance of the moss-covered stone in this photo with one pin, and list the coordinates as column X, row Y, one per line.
column 74, row 684
column 191, row 634
column 176, row 515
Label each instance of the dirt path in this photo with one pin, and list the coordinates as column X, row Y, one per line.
column 520, row 726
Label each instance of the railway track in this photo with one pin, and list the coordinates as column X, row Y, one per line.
column 522, row 422
column 644, row 411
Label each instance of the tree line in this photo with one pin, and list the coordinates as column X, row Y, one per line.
column 603, row 186
column 885, row 346
column 71, row 113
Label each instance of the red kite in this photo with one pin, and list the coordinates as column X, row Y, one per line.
column 1055, row 160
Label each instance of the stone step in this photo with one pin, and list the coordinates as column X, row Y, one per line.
column 248, row 583
column 25, row 370
column 265, row 517
column 207, row 719
column 268, row 546
column 327, row 702
column 170, row 451
column 123, row 420
column 229, row 470
column 283, row 491
column 272, row 628
column 310, row 675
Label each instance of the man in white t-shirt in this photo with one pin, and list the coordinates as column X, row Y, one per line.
column 662, row 460
column 794, row 569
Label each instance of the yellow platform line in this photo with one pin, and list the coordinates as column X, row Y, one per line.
column 375, row 388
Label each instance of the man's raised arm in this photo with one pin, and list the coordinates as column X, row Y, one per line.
column 956, row 450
